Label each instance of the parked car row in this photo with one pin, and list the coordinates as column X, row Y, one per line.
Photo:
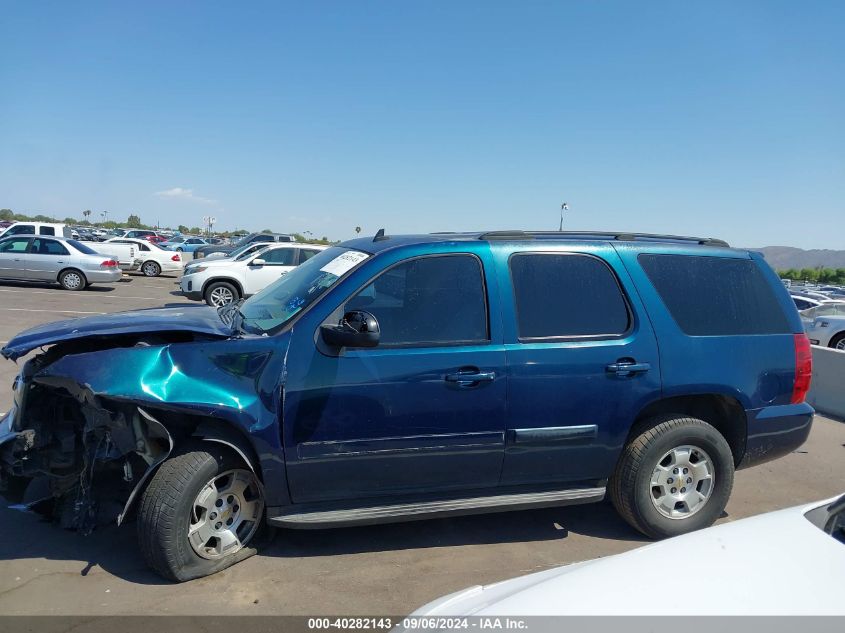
column 70, row 263
column 246, row 271
column 225, row 275
column 75, row 265
column 822, row 311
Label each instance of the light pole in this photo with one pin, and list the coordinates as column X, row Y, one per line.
column 563, row 207
column 209, row 223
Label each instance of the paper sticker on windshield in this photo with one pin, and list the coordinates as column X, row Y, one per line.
column 343, row 263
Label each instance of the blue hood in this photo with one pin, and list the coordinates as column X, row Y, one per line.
column 188, row 318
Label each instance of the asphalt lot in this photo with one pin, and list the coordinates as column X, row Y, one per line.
column 369, row 570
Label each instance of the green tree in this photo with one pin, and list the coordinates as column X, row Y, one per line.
column 134, row 222
column 809, row 274
column 183, row 229
column 7, row 215
column 267, row 231
column 196, row 230
column 86, row 214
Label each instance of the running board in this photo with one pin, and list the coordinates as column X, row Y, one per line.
column 431, row 509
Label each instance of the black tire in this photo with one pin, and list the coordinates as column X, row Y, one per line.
column 216, row 288
column 166, row 512
column 151, row 269
column 836, row 340
column 180, row 249
column 631, row 489
column 72, row 279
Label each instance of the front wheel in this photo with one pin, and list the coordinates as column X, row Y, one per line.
column 221, row 293
column 674, row 477
column 199, row 514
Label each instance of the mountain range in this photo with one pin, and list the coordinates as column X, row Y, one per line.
column 785, row 257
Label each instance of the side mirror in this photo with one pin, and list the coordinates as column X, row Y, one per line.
column 257, row 262
column 356, row 329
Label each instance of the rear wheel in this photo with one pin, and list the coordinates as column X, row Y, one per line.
column 72, row 280
column 674, row 477
column 838, row 341
column 151, row 269
column 221, row 293
column 200, row 513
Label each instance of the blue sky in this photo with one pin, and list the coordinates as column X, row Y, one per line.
column 720, row 118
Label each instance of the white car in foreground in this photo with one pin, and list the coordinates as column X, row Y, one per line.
column 789, row 562
column 151, row 259
column 222, row 281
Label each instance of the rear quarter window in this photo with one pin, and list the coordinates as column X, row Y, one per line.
column 715, row 296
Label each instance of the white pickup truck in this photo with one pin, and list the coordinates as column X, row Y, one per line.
column 125, row 254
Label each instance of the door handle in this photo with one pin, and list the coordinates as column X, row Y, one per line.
column 627, row 367
column 470, row 377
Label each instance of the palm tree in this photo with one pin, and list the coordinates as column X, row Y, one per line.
column 86, row 213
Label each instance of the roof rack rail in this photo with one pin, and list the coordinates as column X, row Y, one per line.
column 602, row 235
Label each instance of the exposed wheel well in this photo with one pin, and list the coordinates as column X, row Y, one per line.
column 722, row 412
column 185, row 428
column 229, row 280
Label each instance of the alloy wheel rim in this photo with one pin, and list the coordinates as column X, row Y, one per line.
column 682, row 482
column 226, row 514
column 150, row 269
column 840, row 344
column 221, row 297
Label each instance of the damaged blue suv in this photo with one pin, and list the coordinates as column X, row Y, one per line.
column 404, row 377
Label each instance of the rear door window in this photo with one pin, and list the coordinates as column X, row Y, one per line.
column 279, row 257
column 47, row 247
column 46, row 230
column 567, row 295
column 715, row 296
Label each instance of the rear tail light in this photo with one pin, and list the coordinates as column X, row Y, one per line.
column 176, row 258
column 803, row 368
column 109, row 263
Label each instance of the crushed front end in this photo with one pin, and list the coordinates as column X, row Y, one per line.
column 57, row 439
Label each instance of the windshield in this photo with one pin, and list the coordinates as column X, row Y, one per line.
column 269, row 310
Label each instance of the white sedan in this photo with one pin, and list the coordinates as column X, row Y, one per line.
column 151, row 259
column 790, row 562
column 825, row 326
column 221, row 281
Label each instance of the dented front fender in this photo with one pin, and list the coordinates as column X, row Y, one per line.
column 234, row 381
